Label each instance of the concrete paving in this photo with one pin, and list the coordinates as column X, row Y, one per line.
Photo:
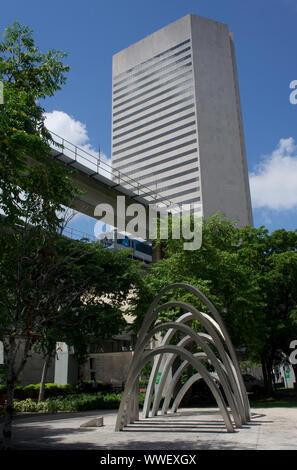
column 189, row 429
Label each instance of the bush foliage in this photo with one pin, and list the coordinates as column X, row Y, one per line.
column 74, row 402
column 32, row 390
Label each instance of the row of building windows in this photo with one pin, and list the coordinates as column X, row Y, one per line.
column 153, row 113
column 158, row 136
column 167, row 178
column 151, row 74
column 151, row 59
column 192, row 200
column 173, row 186
column 153, row 147
column 152, row 121
column 134, row 78
column 160, row 93
column 183, row 68
column 155, row 129
column 161, row 84
column 159, row 154
column 175, row 166
column 153, row 89
column 180, row 193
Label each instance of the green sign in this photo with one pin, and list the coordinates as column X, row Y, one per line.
column 158, row 377
column 287, row 374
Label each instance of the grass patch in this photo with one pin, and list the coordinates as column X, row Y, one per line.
column 274, row 402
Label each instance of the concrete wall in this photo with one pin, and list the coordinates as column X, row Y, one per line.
column 111, row 368
column 151, row 45
column 32, row 371
column 224, row 178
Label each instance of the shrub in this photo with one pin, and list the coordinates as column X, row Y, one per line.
column 143, row 383
column 75, row 402
column 85, row 402
column 87, row 387
column 30, row 405
column 46, row 407
column 51, row 389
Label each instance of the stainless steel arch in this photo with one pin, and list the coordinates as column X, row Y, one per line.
column 150, row 317
column 184, row 390
column 167, row 367
column 226, row 365
column 195, row 314
column 210, row 354
column 186, row 355
column 176, row 377
column 212, row 357
column 174, row 380
column 172, row 386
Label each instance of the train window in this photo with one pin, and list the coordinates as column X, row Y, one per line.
column 143, row 248
column 123, row 241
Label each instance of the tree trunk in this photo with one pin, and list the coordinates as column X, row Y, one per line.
column 270, row 389
column 7, row 432
column 267, row 374
column 43, row 377
column 12, row 374
column 10, row 384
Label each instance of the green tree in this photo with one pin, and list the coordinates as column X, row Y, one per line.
column 51, row 288
column 249, row 275
column 85, row 298
column 34, row 190
column 69, row 291
column 31, row 183
column 273, row 261
column 213, row 269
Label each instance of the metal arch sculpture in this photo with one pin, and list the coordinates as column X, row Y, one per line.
column 224, row 362
column 194, row 314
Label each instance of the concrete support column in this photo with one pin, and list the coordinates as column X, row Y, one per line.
column 157, row 253
column 66, row 367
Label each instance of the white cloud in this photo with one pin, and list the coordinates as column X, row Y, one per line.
column 274, row 181
column 66, row 127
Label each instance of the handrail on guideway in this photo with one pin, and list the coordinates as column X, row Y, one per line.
column 103, row 168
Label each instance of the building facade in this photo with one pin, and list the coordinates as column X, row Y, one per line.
column 176, row 118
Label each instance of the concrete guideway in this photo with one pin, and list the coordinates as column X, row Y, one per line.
column 189, row 429
column 99, row 182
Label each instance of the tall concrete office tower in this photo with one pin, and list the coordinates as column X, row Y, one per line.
column 176, row 117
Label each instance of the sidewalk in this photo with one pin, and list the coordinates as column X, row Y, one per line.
column 189, row 429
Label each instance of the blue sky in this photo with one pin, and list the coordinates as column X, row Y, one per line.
column 265, row 38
